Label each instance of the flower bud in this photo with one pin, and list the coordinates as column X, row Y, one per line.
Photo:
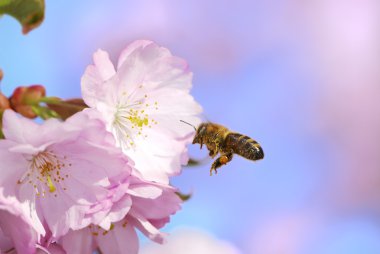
column 4, row 103
column 24, row 98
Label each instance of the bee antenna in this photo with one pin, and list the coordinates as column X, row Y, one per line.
column 189, row 124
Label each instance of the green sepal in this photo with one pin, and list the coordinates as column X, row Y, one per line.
column 184, row 197
column 44, row 112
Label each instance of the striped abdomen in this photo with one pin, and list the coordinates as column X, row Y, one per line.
column 244, row 146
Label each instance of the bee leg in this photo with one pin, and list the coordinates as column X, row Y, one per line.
column 222, row 160
column 212, row 153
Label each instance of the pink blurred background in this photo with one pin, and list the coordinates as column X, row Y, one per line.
column 301, row 77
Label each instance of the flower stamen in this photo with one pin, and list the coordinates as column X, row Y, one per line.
column 45, row 172
column 131, row 118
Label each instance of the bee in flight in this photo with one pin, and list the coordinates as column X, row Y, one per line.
column 218, row 139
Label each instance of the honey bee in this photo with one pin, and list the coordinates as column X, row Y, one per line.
column 218, row 139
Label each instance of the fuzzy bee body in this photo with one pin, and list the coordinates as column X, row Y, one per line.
column 218, row 139
column 244, row 146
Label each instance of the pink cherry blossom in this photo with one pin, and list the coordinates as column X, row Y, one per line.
column 142, row 103
column 64, row 171
column 152, row 204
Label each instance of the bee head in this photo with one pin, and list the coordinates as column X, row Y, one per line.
column 201, row 131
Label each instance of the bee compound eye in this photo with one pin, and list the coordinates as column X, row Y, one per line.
column 202, row 130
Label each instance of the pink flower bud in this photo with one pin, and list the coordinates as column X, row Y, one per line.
column 23, row 98
column 4, row 103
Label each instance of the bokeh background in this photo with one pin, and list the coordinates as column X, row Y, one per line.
column 301, row 77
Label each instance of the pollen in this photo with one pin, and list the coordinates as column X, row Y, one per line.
column 137, row 120
column 45, row 173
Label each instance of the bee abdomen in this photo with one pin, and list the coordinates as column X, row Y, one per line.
column 244, row 146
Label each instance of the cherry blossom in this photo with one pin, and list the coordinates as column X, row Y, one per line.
column 142, row 102
column 64, row 171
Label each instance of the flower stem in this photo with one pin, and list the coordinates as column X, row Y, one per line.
column 65, row 108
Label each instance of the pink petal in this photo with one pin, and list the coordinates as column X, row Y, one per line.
column 12, row 167
column 28, row 199
column 18, row 128
column 5, row 242
column 157, row 162
column 146, row 228
column 134, row 46
column 163, row 206
column 16, row 224
column 186, row 109
column 23, row 130
column 79, row 241
column 118, row 212
column 60, row 214
column 119, row 240
column 144, row 62
column 104, row 65
column 94, row 77
column 145, row 190
column 52, row 249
